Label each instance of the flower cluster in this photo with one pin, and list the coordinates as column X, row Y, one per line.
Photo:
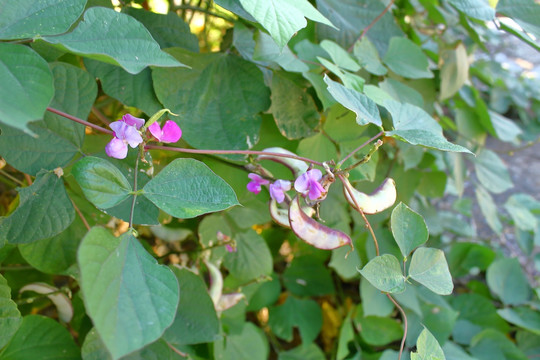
column 127, row 132
column 307, row 184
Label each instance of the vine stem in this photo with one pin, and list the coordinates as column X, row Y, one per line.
column 223, row 152
column 405, row 325
column 176, row 350
column 132, row 211
column 359, row 209
column 358, row 149
column 367, row 28
column 80, row 121
column 79, row 212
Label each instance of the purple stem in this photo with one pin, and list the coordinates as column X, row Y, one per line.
column 80, row 121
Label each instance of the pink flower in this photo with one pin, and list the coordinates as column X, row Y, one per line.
column 308, row 183
column 133, row 121
column 230, row 248
column 256, row 182
column 170, row 133
column 278, row 189
column 124, row 135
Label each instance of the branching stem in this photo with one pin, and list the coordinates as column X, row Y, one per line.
column 358, row 149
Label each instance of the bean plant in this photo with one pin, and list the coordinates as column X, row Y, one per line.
column 262, row 179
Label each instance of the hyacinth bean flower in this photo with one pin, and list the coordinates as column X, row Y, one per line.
column 125, row 133
column 256, row 182
column 308, row 183
column 170, row 133
column 278, row 189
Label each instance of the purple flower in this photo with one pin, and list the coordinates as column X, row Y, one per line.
column 133, row 121
column 230, row 248
column 308, row 182
column 278, row 189
column 124, row 134
column 255, row 184
column 170, row 133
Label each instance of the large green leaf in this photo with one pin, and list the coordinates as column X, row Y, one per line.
column 283, row 18
column 523, row 218
column 303, row 352
column 477, row 9
column 41, row 338
column 187, row 188
column 379, row 331
column 210, row 117
column 384, row 272
column 102, row 183
column 306, row 276
column 44, row 211
column 427, row 347
column 10, row 317
column 27, row 86
column 491, row 344
column 409, row 229
column 116, row 38
column 365, row 109
column 56, row 254
column 522, row 316
column 131, row 90
column 374, row 302
column 367, row 55
column 129, row 297
column 407, row 59
column 492, row 172
column 248, row 344
column 429, row 268
column 306, row 315
column 196, row 320
column 294, row 110
column 252, row 258
column 507, row 280
column 168, row 30
column 524, row 12
column 59, row 139
column 30, row 18
column 417, row 127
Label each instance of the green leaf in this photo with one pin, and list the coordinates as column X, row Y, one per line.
column 59, row 139
column 306, row 315
column 417, row 127
column 374, row 302
column 366, row 110
column 455, row 69
column 307, row 276
column 524, row 12
column 524, row 317
column 252, row 258
column 196, row 321
column 427, row 347
column 10, row 317
column 248, row 344
column 492, row 172
column 488, row 208
column 41, row 338
column 27, row 86
column 211, row 118
column 384, row 272
column 267, row 50
column 56, row 254
column 283, row 18
column 409, row 229
column 294, row 110
column 523, row 218
column 507, row 280
column 340, row 56
column 30, row 18
column 400, row 92
column 429, row 268
column 477, row 9
column 94, row 349
column 267, row 294
column 303, row 352
column 379, row 331
column 44, row 211
column 168, row 30
column 131, row 90
column 129, row 297
column 187, row 188
column 465, row 258
column 506, row 129
column 102, row 183
column 368, row 56
column 407, row 59
column 491, row 344
column 116, row 38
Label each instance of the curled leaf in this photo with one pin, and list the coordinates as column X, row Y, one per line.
column 381, row 199
column 59, row 299
column 315, row 234
column 297, row 167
